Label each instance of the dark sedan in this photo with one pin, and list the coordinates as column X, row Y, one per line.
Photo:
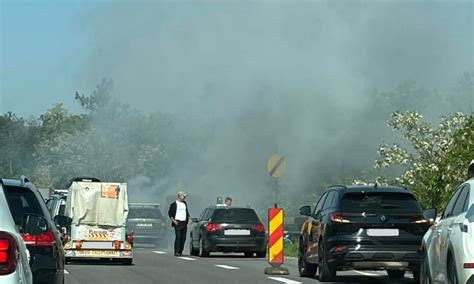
column 228, row 229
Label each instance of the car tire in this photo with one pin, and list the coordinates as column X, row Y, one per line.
column 425, row 277
column 452, row 271
column 306, row 269
column 202, row 251
column 261, row 254
column 326, row 271
column 395, row 274
column 192, row 250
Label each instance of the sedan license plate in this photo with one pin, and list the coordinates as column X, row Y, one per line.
column 235, row 232
column 383, row 232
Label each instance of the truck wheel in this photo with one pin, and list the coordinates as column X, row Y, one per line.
column 127, row 261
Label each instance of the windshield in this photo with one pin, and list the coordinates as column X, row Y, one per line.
column 380, row 201
column 235, row 216
column 144, row 213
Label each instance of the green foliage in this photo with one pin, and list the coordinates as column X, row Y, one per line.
column 435, row 160
column 291, row 249
column 17, row 137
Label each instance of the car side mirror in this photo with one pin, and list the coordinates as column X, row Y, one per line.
column 305, row 210
column 34, row 225
column 195, row 220
column 62, row 221
column 430, row 214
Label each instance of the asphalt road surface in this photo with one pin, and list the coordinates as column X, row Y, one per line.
column 161, row 266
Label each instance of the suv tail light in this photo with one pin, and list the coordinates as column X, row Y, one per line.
column 469, row 265
column 212, row 227
column 259, row 228
column 44, row 240
column 8, row 254
column 337, row 217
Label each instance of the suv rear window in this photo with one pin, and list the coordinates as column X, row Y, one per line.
column 22, row 201
column 144, row 213
column 235, row 215
column 379, row 201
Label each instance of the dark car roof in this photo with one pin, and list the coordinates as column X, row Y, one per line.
column 231, row 207
column 368, row 188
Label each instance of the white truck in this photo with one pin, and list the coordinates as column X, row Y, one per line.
column 99, row 213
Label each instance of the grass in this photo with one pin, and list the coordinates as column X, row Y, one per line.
column 291, row 249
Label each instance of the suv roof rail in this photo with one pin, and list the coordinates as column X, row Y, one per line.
column 24, row 180
column 336, row 185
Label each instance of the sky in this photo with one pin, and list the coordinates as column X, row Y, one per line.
column 255, row 77
column 42, row 45
column 50, row 49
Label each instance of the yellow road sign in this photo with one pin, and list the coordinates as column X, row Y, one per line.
column 276, row 165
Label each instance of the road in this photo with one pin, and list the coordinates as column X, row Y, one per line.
column 161, row 266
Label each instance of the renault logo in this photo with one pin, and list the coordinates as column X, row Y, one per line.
column 383, row 219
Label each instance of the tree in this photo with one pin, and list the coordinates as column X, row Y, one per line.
column 426, row 161
column 18, row 137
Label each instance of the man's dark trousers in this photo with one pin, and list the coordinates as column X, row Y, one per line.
column 180, row 231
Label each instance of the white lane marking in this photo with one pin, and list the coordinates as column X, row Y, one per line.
column 159, row 252
column 226, row 266
column 284, row 280
column 186, row 258
column 366, row 273
column 66, row 272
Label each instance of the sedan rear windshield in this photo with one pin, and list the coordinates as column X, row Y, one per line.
column 380, row 201
column 144, row 213
column 22, row 201
column 235, row 215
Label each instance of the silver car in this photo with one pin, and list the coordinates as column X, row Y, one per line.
column 448, row 246
column 14, row 266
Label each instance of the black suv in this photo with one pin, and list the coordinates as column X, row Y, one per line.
column 46, row 249
column 228, row 229
column 363, row 228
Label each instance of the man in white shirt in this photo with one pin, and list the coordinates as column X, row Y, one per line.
column 180, row 217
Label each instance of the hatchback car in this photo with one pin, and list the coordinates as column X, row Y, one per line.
column 46, row 250
column 14, row 265
column 228, row 229
column 448, row 247
column 363, row 228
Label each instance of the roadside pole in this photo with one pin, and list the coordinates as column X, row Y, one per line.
column 276, row 167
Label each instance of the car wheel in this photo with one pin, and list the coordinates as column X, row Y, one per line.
column 326, row 271
column 452, row 272
column 395, row 274
column 424, row 274
column 202, row 251
column 306, row 269
column 261, row 254
column 193, row 251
